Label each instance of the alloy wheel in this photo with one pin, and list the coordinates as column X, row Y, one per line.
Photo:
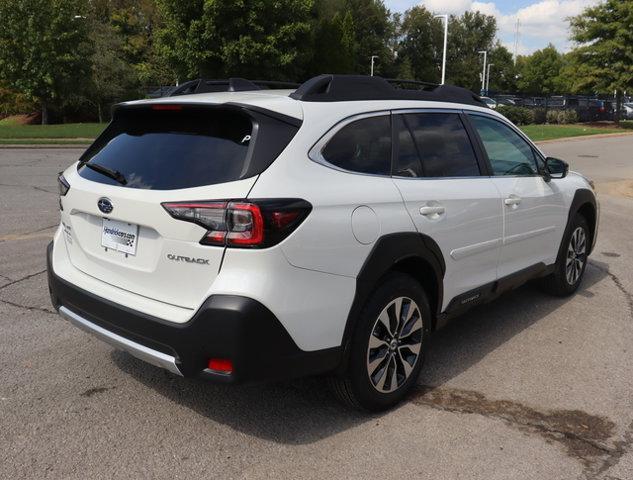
column 576, row 255
column 394, row 345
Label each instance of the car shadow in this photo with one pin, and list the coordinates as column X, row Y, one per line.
column 466, row 340
column 303, row 411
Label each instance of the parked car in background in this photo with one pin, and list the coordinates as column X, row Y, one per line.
column 506, row 100
column 490, row 102
column 591, row 109
column 628, row 111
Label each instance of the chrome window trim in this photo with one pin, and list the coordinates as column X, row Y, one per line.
column 315, row 152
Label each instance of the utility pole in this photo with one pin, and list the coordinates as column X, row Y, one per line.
column 445, row 17
column 373, row 57
column 516, row 41
column 483, row 73
column 488, row 79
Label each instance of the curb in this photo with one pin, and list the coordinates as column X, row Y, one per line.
column 585, row 137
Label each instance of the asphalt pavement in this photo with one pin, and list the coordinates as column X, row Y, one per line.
column 527, row 387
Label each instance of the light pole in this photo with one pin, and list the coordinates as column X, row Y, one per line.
column 483, row 73
column 445, row 17
column 373, row 57
column 488, row 78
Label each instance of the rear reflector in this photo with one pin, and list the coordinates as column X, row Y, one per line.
column 251, row 224
column 222, row 365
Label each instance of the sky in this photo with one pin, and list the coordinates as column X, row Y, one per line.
column 541, row 21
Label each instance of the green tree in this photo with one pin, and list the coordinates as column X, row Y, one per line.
column 502, row 71
column 43, row 48
column 346, row 33
column 254, row 39
column 540, row 73
column 420, row 46
column 112, row 77
column 468, row 34
column 333, row 44
column 604, row 58
column 373, row 33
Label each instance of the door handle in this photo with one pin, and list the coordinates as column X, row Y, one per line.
column 434, row 210
column 512, row 200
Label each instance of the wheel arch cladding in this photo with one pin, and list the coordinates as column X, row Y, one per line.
column 409, row 252
column 588, row 211
column 584, row 202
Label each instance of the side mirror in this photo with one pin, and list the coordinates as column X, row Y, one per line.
column 555, row 168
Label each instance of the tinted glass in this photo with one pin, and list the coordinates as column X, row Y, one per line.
column 166, row 150
column 443, row 145
column 508, row 153
column 362, row 146
column 408, row 161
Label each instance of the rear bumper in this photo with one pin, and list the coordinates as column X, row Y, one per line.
column 226, row 326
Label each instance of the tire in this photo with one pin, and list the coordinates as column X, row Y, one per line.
column 380, row 375
column 570, row 267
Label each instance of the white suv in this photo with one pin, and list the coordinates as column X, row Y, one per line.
column 257, row 234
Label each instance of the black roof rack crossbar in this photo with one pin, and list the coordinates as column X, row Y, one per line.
column 234, row 84
column 341, row 88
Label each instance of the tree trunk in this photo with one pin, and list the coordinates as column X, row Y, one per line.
column 99, row 112
column 44, row 113
column 618, row 106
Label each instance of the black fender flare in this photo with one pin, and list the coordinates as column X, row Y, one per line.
column 387, row 252
column 582, row 197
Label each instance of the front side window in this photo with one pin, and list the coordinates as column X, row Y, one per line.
column 509, row 154
column 442, row 146
column 363, row 146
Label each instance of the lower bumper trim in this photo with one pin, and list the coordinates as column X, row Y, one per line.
column 141, row 352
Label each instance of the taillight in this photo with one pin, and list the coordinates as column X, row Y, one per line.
column 64, row 186
column 242, row 223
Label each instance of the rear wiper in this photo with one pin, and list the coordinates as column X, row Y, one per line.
column 108, row 172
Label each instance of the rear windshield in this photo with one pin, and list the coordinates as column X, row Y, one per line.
column 171, row 149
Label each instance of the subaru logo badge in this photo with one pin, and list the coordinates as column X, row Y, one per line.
column 105, row 205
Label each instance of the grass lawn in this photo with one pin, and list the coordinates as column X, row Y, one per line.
column 45, row 141
column 67, row 130
column 551, row 132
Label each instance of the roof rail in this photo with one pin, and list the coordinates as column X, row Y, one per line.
column 340, row 88
column 233, row 84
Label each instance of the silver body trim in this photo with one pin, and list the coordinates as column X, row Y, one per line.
column 141, row 352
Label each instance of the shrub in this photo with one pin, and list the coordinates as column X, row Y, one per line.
column 569, row 116
column 553, row 116
column 13, row 103
column 517, row 115
column 539, row 116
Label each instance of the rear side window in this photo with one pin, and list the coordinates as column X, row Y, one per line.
column 362, row 146
column 183, row 148
column 443, row 146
